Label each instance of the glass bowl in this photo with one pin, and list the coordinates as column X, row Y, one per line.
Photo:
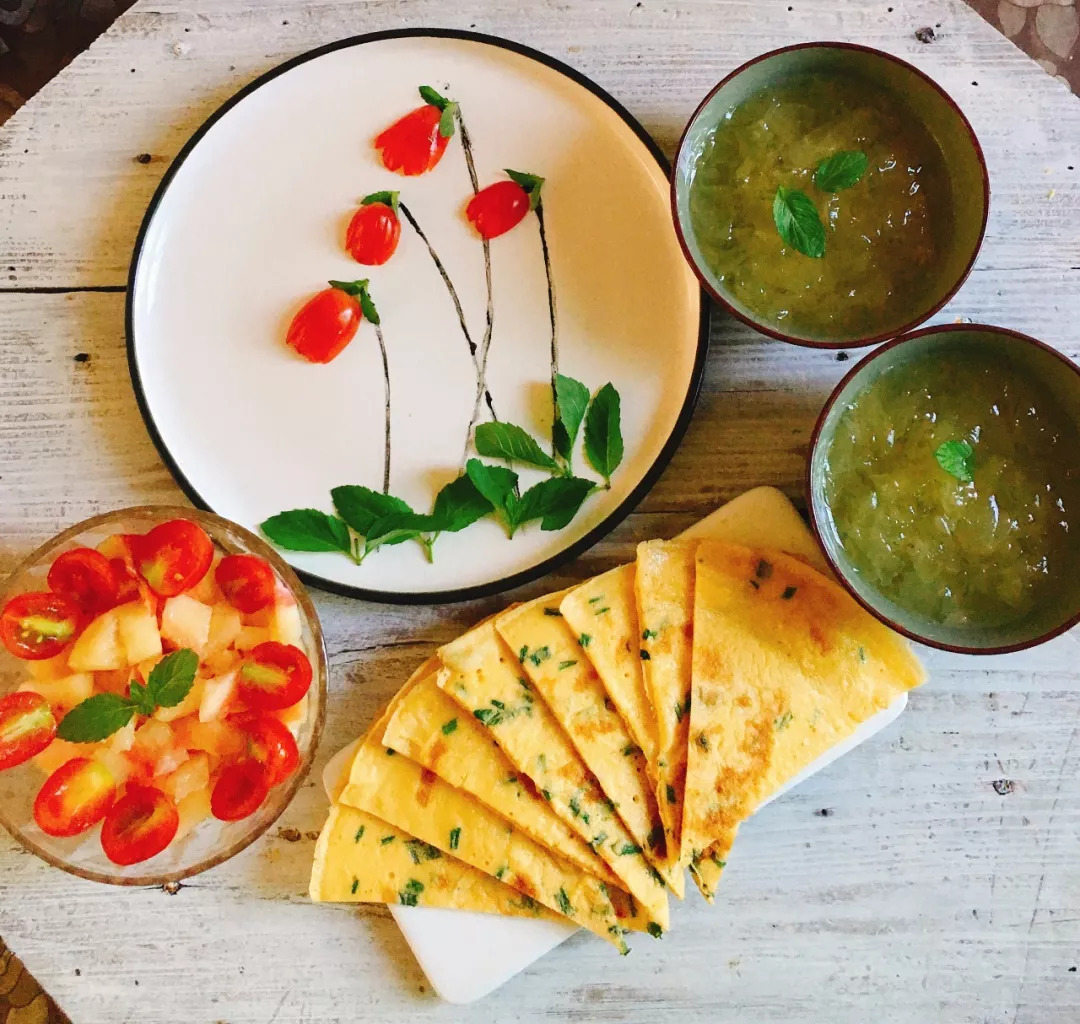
column 211, row 842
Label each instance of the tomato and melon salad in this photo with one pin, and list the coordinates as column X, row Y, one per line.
column 166, row 686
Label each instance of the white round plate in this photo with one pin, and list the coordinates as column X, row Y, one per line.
column 249, row 222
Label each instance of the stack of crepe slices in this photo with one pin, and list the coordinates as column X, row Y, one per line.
column 571, row 756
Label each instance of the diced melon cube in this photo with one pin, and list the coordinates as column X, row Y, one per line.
column 138, row 630
column 153, row 739
column 170, row 761
column 98, row 648
column 193, row 810
column 225, row 626
column 65, row 692
column 206, row 590
column 188, row 706
column 292, row 717
column 115, row 546
column 117, row 763
column 49, row 668
column 285, row 624
column 186, row 622
column 115, row 681
column 220, row 662
column 251, row 636
column 217, row 693
column 192, row 775
column 218, row 738
column 59, row 752
column 259, row 618
column 122, row 740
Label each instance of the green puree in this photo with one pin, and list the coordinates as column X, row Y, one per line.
column 885, row 234
column 984, row 551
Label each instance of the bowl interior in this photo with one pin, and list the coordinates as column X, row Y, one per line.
column 927, row 102
column 1036, row 363
column 212, row 842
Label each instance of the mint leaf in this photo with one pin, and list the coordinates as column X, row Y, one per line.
column 460, row 504
column 171, row 678
column 96, row 718
column 958, row 459
column 429, row 95
column 307, row 529
column 386, row 198
column 841, row 170
column 353, row 288
column 361, row 507
column 446, row 122
column 398, row 528
column 496, row 483
column 531, row 183
column 603, row 432
column 367, row 307
column 140, row 699
column 510, row 442
column 571, row 401
column 796, row 218
column 555, row 502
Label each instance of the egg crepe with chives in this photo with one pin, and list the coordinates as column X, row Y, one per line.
column 401, row 792
column 361, row 859
column 664, row 592
column 785, row 665
column 482, row 675
column 555, row 663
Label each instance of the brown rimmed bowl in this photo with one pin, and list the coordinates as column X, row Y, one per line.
column 963, row 156
column 1041, row 364
column 212, row 842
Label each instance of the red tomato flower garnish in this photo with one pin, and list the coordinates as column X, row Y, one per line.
column 27, row 727
column 271, row 744
column 415, row 143
column 77, row 795
column 139, row 826
column 246, row 581
column 173, row 556
column 38, row 625
column 374, row 230
column 328, row 321
column 274, row 676
column 240, row 790
column 86, row 577
column 496, row 209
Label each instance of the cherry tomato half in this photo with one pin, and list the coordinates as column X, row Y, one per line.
column 274, row 676
column 326, row 323
column 77, row 795
column 240, row 790
column 246, row 581
column 271, row 744
column 86, row 577
column 496, row 209
column 173, row 556
column 27, row 727
column 38, row 625
column 413, row 144
column 139, row 826
column 373, row 234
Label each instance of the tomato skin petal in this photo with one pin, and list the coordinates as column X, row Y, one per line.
column 271, row 744
column 139, row 825
column 38, row 625
column 324, row 325
column 496, row 209
column 240, row 790
column 247, row 582
column 274, row 676
column 86, row 577
column 373, row 234
column 413, row 144
column 27, row 727
column 75, row 797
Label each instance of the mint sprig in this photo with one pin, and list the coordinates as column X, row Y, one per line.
column 841, row 170
column 98, row 717
column 957, row 458
column 603, row 433
column 797, row 220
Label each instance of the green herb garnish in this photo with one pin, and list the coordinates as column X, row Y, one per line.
column 564, row 902
column 584, row 640
column 603, row 433
column 781, row 723
column 841, row 170
column 958, row 459
column 407, row 896
column 571, row 401
column 449, row 727
column 654, row 929
column 455, row 838
column 797, row 220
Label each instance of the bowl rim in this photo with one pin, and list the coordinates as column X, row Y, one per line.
column 772, row 332
column 815, row 440
column 288, row 789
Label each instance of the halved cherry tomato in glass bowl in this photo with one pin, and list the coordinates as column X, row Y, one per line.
column 139, row 826
column 27, row 727
column 274, row 676
column 173, row 556
column 246, row 581
column 240, row 790
column 38, row 625
column 76, row 796
column 271, row 744
column 86, row 577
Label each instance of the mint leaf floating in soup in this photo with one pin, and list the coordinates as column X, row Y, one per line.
column 603, row 433
column 571, row 401
column 307, row 529
column 841, row 170
column 958, row 459
column 797, row 220
column 510, row 442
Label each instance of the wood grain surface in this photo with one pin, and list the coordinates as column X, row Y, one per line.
column 931, row 876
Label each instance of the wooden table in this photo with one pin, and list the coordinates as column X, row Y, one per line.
column 933, row 875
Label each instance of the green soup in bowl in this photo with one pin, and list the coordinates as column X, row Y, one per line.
column 830, row 194
column 945, row 487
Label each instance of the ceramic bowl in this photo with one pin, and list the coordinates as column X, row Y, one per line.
column 1038, row 362
column 927, row 101
column 211, row 842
